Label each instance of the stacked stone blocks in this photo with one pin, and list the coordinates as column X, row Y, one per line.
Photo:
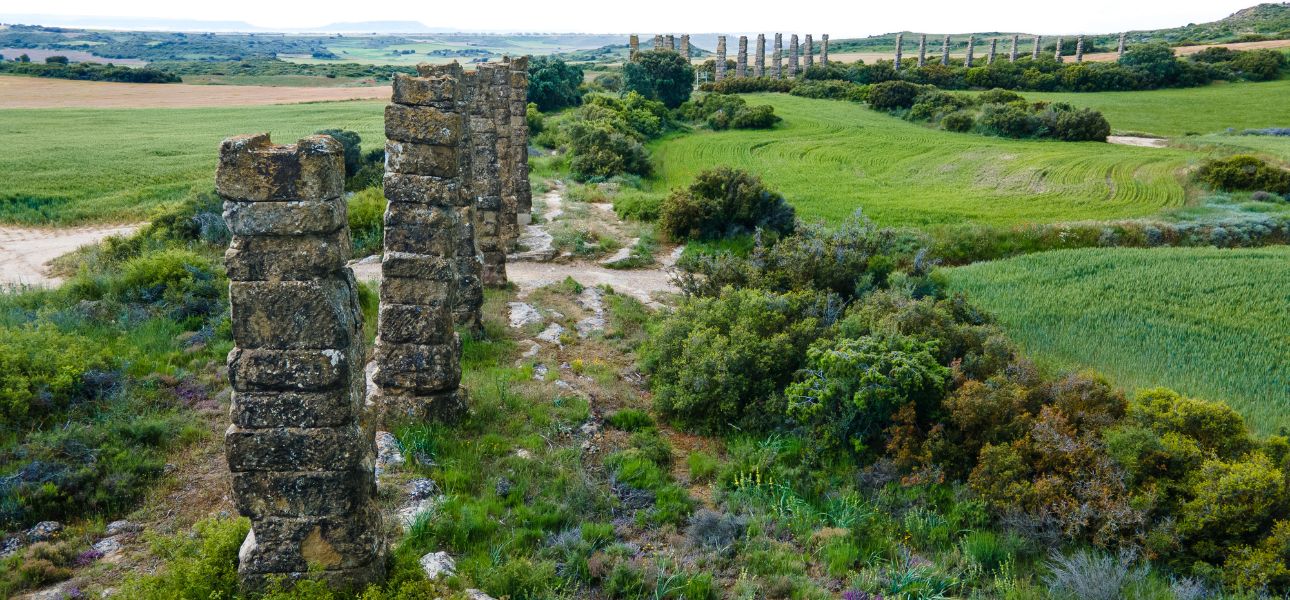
column 299, row 448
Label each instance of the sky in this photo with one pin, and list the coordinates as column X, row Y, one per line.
column 838, row 18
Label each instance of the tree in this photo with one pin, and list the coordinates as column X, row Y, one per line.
column 1155, row 61
column 23, row 58
column 56, row 60
column 660, row 75
column 353, row 148
column 553, row 83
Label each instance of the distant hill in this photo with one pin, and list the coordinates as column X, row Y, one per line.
column 377, row 27
column 127, row 23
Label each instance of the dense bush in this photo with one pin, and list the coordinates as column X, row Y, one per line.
column 894, row 95
column 1079, row 125
column 660, row 75
column 830, row 89
column 42, row 372
column 353, row 146
column 755, row 117
column 1244, row 173
column 1009, row 120
column 747, row 85
column 605, row 135
column 89, row 72
column 724, row 111
column 723, row 202
column 553, row 83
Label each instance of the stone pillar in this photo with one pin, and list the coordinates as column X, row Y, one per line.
column 487, row 102
column 1079, row 49
column 741, row 59
column 1058, row 53
column 994, row 50
column 1039, row 43
column 922, row 50
column 824, row 49
column 777, row 58
column 719, row 67
column 945, row 51
column 669, row 42
column 900, row 50
column 300, row 450
column 1120, row 50
column 810, row 53
column 759, row 63
column 427, row 184
column 1012, row 53
column 792, row 56
column 658, row 42
column 521, row 216
column 634, row 46
column 971, row 49
column 685, row 46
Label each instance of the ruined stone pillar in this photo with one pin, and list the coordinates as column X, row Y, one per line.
column 741, row 59
column 1012, row 53
column 299, row 448
column 658, row 42
column 971, row 49
column 487, row 102
column 945, row 51
column 810, row 52
column 634, row 46
column 1120, row 50
column 669, row 42
column 824, row 49
column 719, row 67
column 1039, row 42
column 521, row 188
column 759, row 63
column 777, row 58
column 792, row 56
column 994, row 49
column 900, row 49
column 1079, row 49
column 429, row 189
column 1058, row 53
column 922, row 50
column 685, row 46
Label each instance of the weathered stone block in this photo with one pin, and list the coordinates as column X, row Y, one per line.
column 292, row 315
column 251, row 168
column 337, row 542
column 296, row 409
column 253, row 370
column 297, row 217
column 415, row 323
column 421, row 229
column 418, row 368
column 424, row 189
column 297, row 449
column 440, row 406
column 260, row 494
column 274, row 258
column 422, row 159
column 403, row 264
column 425, row 91
column 423, row 124
column 414, row 290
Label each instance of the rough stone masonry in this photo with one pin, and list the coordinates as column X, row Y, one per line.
column 777, row 58
column 418, row 365
column 299, row 448
column 486, row 102
column 520, row 214
column 759, row 62
column 741, row 58
column 719, row 67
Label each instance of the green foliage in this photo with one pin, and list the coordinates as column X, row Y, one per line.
column 605, row 136
column 353, row 147
column 86, row 71
column 553, row 83
column 198, row 567
column 1244, row 173
column 630, row 419
column 722, row 361
column 703, row 466
column 721, row 203
column 533, row 118
column 854, row 387
column 42, row 372
column 660, row 75
column 367, row 221
column 1232, row 502
column 831, row 89
column 894, row 95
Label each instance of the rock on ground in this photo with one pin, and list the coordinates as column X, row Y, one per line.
column 552, row 333
column 438, row 564
column 523, row 313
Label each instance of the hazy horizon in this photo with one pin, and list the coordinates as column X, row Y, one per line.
column 585, row 16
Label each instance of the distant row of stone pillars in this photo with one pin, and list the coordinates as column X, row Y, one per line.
column 797, row 55
column 301, row 444
column 661, row 42
column 970, row 59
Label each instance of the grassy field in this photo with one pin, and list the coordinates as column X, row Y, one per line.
column 830, row 158
column 1211, row 109
column 70, row 165
column 1207, row 322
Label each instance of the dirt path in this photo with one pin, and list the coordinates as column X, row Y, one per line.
column 39, row 92
column 1143, row 142
column 25, row 253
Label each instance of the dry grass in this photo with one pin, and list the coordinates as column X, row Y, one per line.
column 39, row 92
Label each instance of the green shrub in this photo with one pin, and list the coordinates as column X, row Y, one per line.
column 652, row 446
column 533, row 118
column 42, row 372
column 831, row 90
column 748, row 85
column 171, row 276
column 894, row 95
column 1081, row 125
column 553, row 83
column 840, row 555
column 660, row 75
column 717, row 362
column 1244, row 173
column 639, row 206
column 755, row 117
column 988, row 549
column 934, row 103
column 353, row 146
column 198, row 567
column 1000, row 96
column 703, row 466
column 854, row 387
column 723, row 202
column 367, row 221
column 1009, row 120
column 624, row 582
column 630, row 419
column 959, row 121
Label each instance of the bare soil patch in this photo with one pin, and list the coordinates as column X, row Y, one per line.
column 39, row 92
column 25, row 252
column 1132, row 140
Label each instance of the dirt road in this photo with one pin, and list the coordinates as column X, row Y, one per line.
column 39, row 92
column 26, row 252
